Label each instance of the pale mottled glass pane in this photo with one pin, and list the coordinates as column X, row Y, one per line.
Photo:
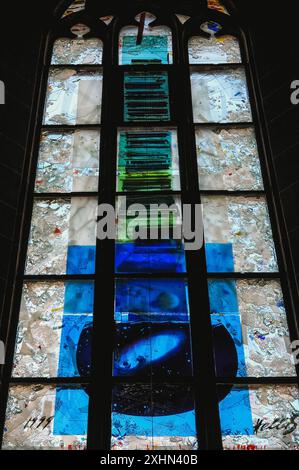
column 68, row 162
column 228, row 159
column 46, row 417
column 220, row 96
column 249, row 320
column 260, row 417
column 238, row 234
column 49, row 237
column 148, row 160
column 214, row 50
column 77, row 51
column 62, row 238
column 74, row 97
column 54, row 331
column 155, row 47
column 265, row 328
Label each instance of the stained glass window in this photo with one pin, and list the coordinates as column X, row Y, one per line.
column 53, row 342
column 248, row 314
column 170, row 340
column 152, row 333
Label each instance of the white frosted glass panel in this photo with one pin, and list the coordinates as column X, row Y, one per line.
column 238, row 234
column 214, row 50
column 68, row 162
column 228, row 159
column 251, row 335
column 74, row 97
column 62, row 237
column 77, row 51
column 220, row 96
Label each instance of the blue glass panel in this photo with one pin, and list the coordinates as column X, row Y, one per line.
column 79, row 297
column 75, row 341
column 227, row 328
column 220, row 258
column 150, row 256
column 146, row 96
column 75, row 346
column 235, row 413
column 147, row 417
column 228, row 346
column 223, row 296
column 180, row 425
column 161, row 350
column 71, row 411
column 155, row 300
column 81, row 259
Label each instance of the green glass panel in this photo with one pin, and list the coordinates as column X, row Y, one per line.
column 148, row 160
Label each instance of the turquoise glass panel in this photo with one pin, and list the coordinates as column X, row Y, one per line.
column 146, row 96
